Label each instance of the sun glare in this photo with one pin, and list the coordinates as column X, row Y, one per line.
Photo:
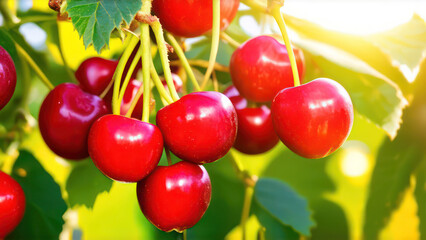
column 354, row 163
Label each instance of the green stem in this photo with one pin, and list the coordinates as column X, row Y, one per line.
column 229, row 40
column 184, row 60
column 129, row 75
column 159, row 85
column 248, row 196
column 276, row 13
column 215, row 41
column 158, row 32
column 185, row 235
column 261, row 233
column 146, row 65
column 203, row 64
column 256, row 4
column 118, row 74
column 9, row 17
column 34, row 66
column 168, row 156
column 37, row 19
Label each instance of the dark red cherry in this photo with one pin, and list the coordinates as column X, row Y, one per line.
column 255, row 133
column 65, row 118
column 314, row 119
column 177, row 81
column 94, row 74
column 7, row 77
column 200, row 127
column 175, row 197
column 12, row 204
column 260, row 68
column 125, row 149
column 192, row 18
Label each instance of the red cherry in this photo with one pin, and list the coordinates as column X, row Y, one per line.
column 255, row 133
column 177, row 81
column 175, row 197
column 125, row 149
column 12, row 204
column 7, row 77
column 94, row 74
column 192, row 18
column 260, row 68
column 314, row 119
column 200, row 127
column 65, row 118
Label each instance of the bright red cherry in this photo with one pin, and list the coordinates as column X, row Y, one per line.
column 7, row 77
column 12, row 204
column 260, row 68
column 175, row 197
column 65, row 118
column 255, row 133
column 94, row 74
column 192, row 18
column 125, row 149
column 314, row 119
column 200, row 127
column 177, row 81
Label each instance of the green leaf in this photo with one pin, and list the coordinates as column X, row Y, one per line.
column 284, row 204
column 374, row 95
column 331, row 221
column 420, row 195
column 85, row 183
column 95, row 20
column 44, row 203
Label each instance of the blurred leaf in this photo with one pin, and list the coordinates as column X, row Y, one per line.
column 95, row 20
column 331, row 221
column 85, row 183
column 420, row 195
column 405, row 43
column 284, row 204
column 274, row 228
column 373, row 94
column 44, row 203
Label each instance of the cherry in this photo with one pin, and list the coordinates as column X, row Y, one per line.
column 192, row 18
column 175, row 197
column 125, row 149
column 255, row 133
column 314, row 119
column 260, row 68
column 12, row 204
column 94, row 74
column 200, row 127
column 7, row 77
column 177, row 81
column 65, row 117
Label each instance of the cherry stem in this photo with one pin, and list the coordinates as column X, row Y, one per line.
column 159, row 85
column 118, row 74
column 229, row 40
column 276, row 13
column 261, row 233
column 248, row 196
column 256, row 4
column 204, row 64
column 215, row 42
column 215, row 82
column 185, row 235
column 129, row 75
column 146, row 66
column 162, row 48
column 183, row 60
column 168, row 156
column 34, row 66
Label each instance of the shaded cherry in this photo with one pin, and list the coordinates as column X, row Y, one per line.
column 12, row 204
column 177, row 81
column 125, row 149
column 7, row 77
column 260, row 68
column 94, row 74
column 65, row 117
column 175, row 197
column 255, row 133
column 192, row 18
column 200, row 127
column 314, row 119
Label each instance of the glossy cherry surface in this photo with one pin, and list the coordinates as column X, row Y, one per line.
column 177, row 82
column 12, row 204
column 94, row 74
column 256, row 132
column 175, row 197
column 65, row 117
column 192, row 18
column 200, row 127
column 7, row 77
column 314, row 119
column 260, row 68
column 125, row 149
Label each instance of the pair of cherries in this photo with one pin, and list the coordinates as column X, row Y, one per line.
column 313, row 120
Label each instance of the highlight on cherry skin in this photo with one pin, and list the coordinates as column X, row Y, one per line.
column 7, row 77
column 12, row 204
column 260, row 68
column 175, row 197
column 314, row 119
